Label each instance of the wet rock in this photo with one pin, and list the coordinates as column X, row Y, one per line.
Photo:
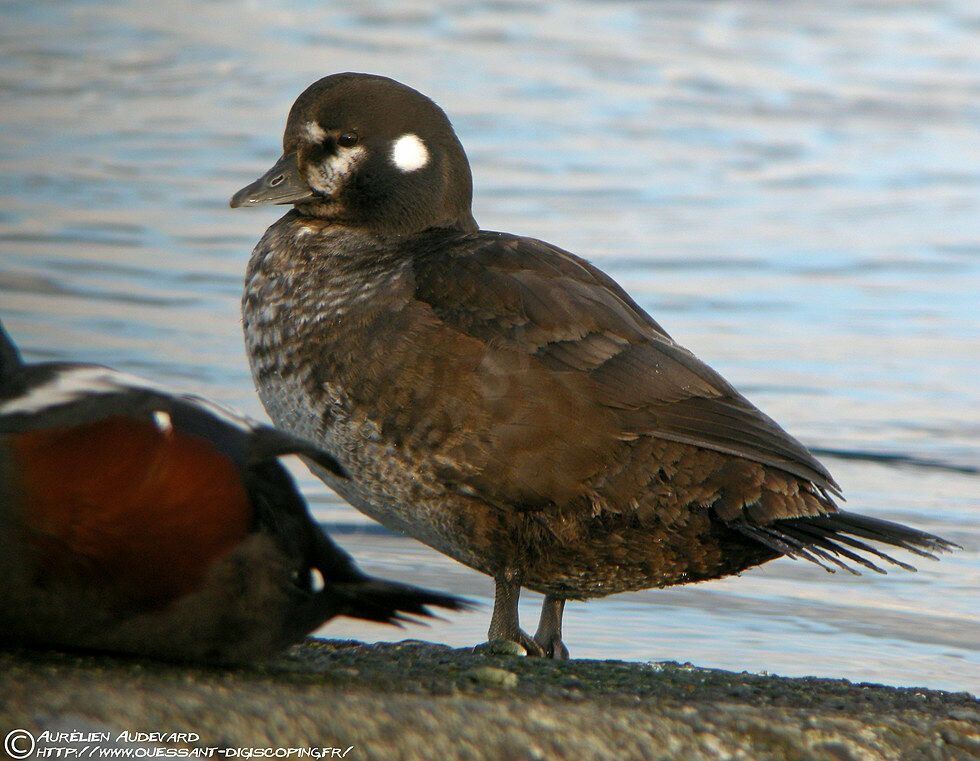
column 492, row 676
column 501, row 647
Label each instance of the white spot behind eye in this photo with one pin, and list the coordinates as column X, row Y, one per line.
column 314, row 132
column 409, row 153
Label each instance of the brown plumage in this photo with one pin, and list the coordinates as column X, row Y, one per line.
column 501, row 399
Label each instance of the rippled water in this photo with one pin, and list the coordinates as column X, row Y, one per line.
column 792, row 189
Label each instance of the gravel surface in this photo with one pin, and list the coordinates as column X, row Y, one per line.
column 413, row 700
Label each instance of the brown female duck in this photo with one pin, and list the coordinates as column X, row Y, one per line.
column 498, row 398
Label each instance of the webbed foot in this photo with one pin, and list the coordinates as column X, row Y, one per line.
column 548, row 635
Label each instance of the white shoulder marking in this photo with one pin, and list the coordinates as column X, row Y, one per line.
column 162, row 421
column 314, row 132
column 316, row 582
column 409, row 153
column 72, row 384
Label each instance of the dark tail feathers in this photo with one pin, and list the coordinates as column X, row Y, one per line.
column 347, row 591
column 387, row 601
column 828, row 538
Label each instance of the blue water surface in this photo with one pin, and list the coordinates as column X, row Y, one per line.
column 792, row 189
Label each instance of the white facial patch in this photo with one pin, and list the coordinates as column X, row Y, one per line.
column 314, row 132
column 328, row 177
column 409, row 153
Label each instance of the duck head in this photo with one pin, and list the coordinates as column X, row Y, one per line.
column 365, row 151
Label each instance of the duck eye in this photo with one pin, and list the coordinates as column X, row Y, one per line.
column 347, row 139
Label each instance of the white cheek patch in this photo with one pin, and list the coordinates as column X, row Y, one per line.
column 409, row 153
column 314, row 132
column 328, row 177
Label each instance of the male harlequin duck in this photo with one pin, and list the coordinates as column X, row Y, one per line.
column 140, row 522
column 498, row 398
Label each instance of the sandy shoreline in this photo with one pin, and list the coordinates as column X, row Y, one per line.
column 413, row 700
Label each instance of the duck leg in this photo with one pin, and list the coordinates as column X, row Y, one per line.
column 548, row 635
column 504, row 623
